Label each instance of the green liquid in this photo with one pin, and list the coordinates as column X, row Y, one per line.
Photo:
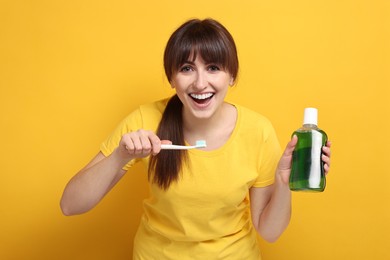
column 307, row 169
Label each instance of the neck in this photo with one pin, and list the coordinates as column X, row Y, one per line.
column 193, row 124
column 210, row 129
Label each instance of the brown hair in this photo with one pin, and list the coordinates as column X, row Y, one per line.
column 212, row 41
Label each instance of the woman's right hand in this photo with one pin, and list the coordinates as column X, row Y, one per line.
column 92, row 183
column 139, row 144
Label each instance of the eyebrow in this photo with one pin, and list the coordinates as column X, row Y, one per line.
column 188, row 62
column 206, row 63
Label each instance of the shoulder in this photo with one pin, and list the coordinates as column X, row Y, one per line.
column 252, row 118
column 146, row 116
column 152, row 109
column 254, row 125
column 156, row 107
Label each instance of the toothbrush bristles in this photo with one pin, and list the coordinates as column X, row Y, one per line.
column 200, row 143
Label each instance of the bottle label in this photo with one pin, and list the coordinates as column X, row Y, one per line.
column 315, row 179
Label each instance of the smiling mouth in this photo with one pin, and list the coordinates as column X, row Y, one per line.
column 201, row 98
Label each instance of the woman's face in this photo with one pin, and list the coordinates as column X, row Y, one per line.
column 201, row 88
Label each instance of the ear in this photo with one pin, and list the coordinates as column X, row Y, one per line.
column 231, row 83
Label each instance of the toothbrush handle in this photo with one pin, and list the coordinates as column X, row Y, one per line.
column 175, row 147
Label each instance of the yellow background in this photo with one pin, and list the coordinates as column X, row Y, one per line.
column 71, row 70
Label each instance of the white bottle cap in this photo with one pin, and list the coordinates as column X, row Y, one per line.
column 310, row 116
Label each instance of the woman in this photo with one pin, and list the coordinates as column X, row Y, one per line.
column 208, row 203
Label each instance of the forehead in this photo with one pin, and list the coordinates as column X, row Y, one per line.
column 195, row 57
column 202, row 56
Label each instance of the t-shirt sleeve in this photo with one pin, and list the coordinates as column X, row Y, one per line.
column 131, row 123
column 269, row 156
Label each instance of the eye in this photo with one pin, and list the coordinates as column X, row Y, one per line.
column 213, row 68
column 185, row 68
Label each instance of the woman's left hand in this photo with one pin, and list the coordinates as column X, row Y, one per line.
column 284, row 166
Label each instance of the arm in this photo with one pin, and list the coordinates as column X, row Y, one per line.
column 271, row 206
column 88, row 187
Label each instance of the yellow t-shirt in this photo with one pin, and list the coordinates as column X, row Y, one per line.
column 205, row 215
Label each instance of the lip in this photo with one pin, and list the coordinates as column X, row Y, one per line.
column 207, row 96
column 201, row 96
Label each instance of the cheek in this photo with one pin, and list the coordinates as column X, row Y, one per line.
column 224, row 80
column 224, row 84
column 179, row 89
column 177, row 82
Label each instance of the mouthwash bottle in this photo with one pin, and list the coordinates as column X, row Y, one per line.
column 307, row 169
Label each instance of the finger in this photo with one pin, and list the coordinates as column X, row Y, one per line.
column 150, row 142
column 326, row 169
column 326, row 150
column 145, row 143
column 137, row 145
column 325, row 159
column 166, row 142
column 155, row 142
column 129, row 147
column 291, row 146
column 127, row 143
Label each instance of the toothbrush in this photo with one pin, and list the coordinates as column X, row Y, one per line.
column 198, row 144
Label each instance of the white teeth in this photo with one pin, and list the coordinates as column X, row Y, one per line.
column 201, row 96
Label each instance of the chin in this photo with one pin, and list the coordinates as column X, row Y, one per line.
column 203, row 115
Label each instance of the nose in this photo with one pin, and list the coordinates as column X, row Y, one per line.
column 200, row 81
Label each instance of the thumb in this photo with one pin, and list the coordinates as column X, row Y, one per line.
column 285, row 161
column 166, row 142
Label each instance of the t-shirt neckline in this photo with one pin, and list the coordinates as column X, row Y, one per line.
column 200, row 152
